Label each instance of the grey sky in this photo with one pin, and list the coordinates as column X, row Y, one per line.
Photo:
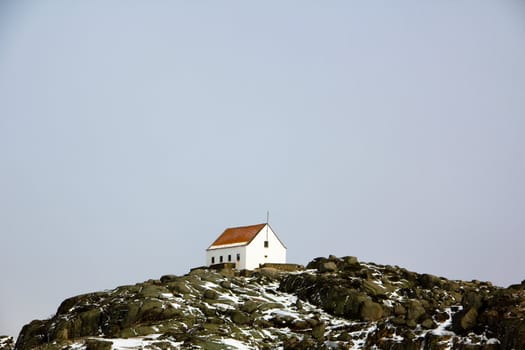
column 133, row 133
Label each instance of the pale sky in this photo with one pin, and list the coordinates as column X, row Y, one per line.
column 133, row 132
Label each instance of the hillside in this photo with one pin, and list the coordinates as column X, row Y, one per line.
column 335, row 303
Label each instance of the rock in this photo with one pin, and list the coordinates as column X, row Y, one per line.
column 179, row 287
column 399, row 309
column 249, row 306
column 169, row 278
column 152, row 310
column 269, row 272
column 429, row 281
column 415, row 311
column 441, row 317
column 318, row 331
column 300, row 324
column 468, row 320
column 512, row 334
column 350, row 261
column 328, row 266
column 152, row 291
column 399, row 321
column 314, row 263
column 32, row 335
column 268, row 306
column 411, row 323
column 371, row 311
column 96, row 344
column 472, row 300
column 240, row 317
column 226, row 284
column 373, row 288
column 428, row 324
column 210, row 294
column 6, row 342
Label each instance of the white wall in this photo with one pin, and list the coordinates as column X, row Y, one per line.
column 224, row 252
column 257, row 254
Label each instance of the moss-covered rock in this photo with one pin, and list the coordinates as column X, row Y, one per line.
column 97, row 344
column 371, row 311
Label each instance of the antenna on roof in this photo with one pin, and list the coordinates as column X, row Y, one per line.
column 267, row 220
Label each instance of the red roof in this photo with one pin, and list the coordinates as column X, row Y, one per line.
column 238, row 235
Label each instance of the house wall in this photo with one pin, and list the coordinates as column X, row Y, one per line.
column 257, row 254
column 224, row 252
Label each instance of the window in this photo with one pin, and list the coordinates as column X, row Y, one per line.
column 229, row 258
column 265, row 244
column 213, row 260
column 238, row 257
column 220, row 258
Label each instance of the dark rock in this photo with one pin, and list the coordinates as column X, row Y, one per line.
column 350, row 261
column 373, row 289
column 429, row 281
column 96, row 344
column 32, row 335
column 240, row 317
column 428, row 324
column 399, row 309
column 415, row 311
column 179, row 287
column 249, row 306
column 472, row 300
column 318, row 331
column 210, row 294
column 328, row 266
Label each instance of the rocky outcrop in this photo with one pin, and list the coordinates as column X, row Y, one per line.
column 6, row 342
column 335, row 302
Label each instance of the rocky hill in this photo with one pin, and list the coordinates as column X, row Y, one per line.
column 335, row 303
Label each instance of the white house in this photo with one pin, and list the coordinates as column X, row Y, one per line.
column 247, row 247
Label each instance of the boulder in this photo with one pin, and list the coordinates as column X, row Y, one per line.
column 169, row 278
column 373, row 289
column 467, row 320
column 350, row 261
column 428, row 324
column 415, row 311
column 428, row 281
column 179, row 287
column 249, row 306
column 371, row 311
column 210, row 294
column 98, row 344
column 399, row 309
column 328, row 266
column 318, row 331
column 472, row 300
column 240, row 317
column 152, row 291
column 32, row 335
